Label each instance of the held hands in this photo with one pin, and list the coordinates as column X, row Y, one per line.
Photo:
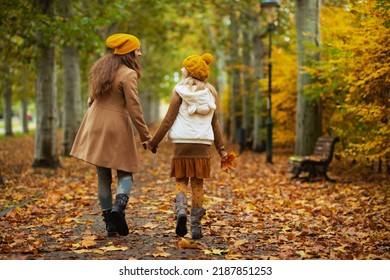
column 153, row 149
column 147, row 145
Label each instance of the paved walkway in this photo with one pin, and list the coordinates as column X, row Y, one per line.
column 16, row 125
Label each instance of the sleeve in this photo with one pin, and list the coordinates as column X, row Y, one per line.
column 133, row 105
column 218, row 138
column 168, row 120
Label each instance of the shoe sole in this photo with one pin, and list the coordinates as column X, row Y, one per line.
column 120, row 223
column 181, row 225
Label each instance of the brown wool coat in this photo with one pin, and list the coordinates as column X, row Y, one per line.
column 106, row 137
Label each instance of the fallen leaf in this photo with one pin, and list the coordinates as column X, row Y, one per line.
column 286, row 228
column 220, row 251
column 185, row 244
column 240, row 242
column 290, row 235
column 303, row 254
column 88, row 241
column 217, row 251
column 228, row 164
column 96, row 251
column 161, row 253
column 340, row 249
column 113, row 248
column 150, row 225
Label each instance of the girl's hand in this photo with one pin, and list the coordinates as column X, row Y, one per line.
column 224, row 156
column 153, row 149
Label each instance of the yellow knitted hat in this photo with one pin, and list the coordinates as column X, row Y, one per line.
column 123, row 43
column 198, row 66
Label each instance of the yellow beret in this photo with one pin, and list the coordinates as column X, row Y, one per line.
column 198, row 66
column 123, row 43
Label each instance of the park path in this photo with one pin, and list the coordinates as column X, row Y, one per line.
column 254, row 212
column 16, row 125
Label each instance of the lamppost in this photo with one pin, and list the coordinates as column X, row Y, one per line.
column 270, row 9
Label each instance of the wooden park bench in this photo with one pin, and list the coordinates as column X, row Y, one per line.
column 316, row 165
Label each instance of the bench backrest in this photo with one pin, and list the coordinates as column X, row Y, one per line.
column 325, row 146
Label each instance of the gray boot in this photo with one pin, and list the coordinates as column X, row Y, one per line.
column 181, row 202
column 110, row 227
column 196, row 226
column 118, row 214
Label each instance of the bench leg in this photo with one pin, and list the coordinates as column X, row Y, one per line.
column 296, row 171
column 329, row 179
column 325, row 174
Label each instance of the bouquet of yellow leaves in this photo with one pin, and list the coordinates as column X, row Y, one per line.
column 229, row 163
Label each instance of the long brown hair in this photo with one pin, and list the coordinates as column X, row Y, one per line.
column 102, row 73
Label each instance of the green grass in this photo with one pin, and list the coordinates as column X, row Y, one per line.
column 17, row 134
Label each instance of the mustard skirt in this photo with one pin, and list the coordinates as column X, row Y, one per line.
column 191, row 160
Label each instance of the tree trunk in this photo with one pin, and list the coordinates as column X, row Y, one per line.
column 258, row 144
column 7, row 102
column 235, row 76
column 23, row 115
column 247, row 80
column 71, row 118
column 150, row 107
column 309, row 109
column 222, row 83
column 155, row 109
column 72, row 97
column 25, row 89
column 45, row 153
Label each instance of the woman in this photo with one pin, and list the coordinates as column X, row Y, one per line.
column 105, row 138
column 193, row 124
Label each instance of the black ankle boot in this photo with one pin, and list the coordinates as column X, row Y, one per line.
column 118, row 214
column 181, row 214
column 110, row 227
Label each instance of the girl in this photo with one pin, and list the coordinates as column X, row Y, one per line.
column 193, row 124
column 105, row 138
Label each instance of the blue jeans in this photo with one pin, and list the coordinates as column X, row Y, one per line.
column 125, row 181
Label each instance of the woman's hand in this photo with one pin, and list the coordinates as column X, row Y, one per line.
column 147, row 145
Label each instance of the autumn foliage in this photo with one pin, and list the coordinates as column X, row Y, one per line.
column 352, row 79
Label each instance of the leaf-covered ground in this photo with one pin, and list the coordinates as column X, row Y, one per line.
column 254, row 212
